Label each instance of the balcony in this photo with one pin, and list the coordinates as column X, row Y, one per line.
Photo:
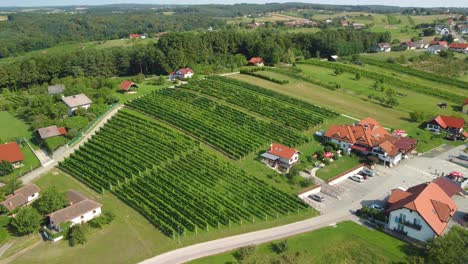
column 408, row 224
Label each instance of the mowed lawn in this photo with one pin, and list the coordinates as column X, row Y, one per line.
column 13, row 128
column 347, row 243
column 130, row 238
column 338, row 166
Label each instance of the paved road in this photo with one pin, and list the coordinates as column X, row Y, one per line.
column 39, row 171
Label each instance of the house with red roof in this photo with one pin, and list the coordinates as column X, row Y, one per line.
column 136, row 36
column 452, row 125
column 459, row 47
column 368, row 137
column 280, row 157
column 409, row 45
column 51, row 131
column 465, row 106
column 438, row 42
column 421, row 212
column 256, row 61
column 127, row 86
column 182, row 73
column 11, row 152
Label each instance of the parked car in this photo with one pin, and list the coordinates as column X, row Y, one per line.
column 357, row 178
column 463, row 157
column 377, row 207
column 316, row 198
column 368, row 172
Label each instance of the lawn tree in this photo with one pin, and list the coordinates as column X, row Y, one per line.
column 450, row 248
column 417, row 116
column 26, row 221
column 51, row 200
column 358, row 76
column 5, row 168
column 77, row 235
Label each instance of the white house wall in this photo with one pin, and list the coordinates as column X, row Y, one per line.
column 86, row 217
column 33, row 197
column 424, row 234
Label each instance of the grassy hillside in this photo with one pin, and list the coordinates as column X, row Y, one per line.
column 347, row 243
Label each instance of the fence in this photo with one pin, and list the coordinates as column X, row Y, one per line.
column 90, row 126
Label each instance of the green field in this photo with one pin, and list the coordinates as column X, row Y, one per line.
column 347, row 243
column 15, row 129
column 336, row 167
column 128, row 239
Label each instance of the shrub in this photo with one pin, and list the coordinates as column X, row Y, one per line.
column 77, row 235
column 306, row 182
column 326, row 161
column 244, row 252
column 5, row 168
column 105, row 219
column 26, row 221
column 280, row 247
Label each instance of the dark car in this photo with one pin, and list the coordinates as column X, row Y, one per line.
column 316, row 198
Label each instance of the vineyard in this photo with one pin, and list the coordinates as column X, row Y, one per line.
column 283, row 109
column 229, row 130
column 171, row 181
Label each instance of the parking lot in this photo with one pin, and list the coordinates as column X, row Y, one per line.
column 410, row 172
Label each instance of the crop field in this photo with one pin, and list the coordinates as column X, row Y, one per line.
column 233, row 132
column 163, row 174
column 283, row 109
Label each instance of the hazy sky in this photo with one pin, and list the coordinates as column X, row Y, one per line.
column 418, row 3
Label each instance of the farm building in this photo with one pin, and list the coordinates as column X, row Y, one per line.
column 438, row 42
column 80, row 210
column 256, row 61
column 11, row 152
column 136, row 36
column 436, row 49
column 381, row 47
column 280, row 157
column 56, row 89
column 183, row 73
column 51, row 131
column 452, row 125
column 127, row 86
column 368, row 137
column 459, row 47
column 21, row 197
column 76, row 101
column 409, row 45
column 421, row 212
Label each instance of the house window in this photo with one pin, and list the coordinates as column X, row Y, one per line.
column 94, row 211
column 82, row 217
column 33, row 195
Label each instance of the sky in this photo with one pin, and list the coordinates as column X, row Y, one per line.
column 417, row 3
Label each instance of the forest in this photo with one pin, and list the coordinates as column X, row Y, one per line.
column 210, row 51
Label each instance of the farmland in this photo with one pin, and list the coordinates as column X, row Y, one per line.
column 142, row 161
column 201, row 117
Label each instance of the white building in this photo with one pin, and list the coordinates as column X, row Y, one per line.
column 421, row 212
column 280, row 156
column 80, row 210
column 76, row 101
column 435, row 49
column 183, row 73
column 21, row 197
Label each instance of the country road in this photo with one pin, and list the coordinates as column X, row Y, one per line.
column 229, row 243
column 28, row 177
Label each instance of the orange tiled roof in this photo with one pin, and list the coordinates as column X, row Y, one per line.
column 429, row 200
column 11, row 152
column 256, row 60
column 448, row 121
column 282, row 151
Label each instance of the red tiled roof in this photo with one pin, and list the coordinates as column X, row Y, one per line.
column 458, row 46
column 405, row 144
column 388, row 147
column 429, row 200
column 185, row 70
column 255, row 60
column 438, row 42
column 282, row 151
column 11, row 152
column 449, row 187
column 367, row 132
column 62, row 130
column 466, row 101
column 126, row 85
column 134, row 35
column 448, row 121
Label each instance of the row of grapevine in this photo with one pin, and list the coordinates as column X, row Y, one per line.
column 120, row 150
column 289, row 114
column 201, row 191
column 422, row 89
column 415, row 72
column 233, row 132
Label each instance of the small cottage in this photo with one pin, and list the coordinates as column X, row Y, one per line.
column 21, row 197
column 127, row 86
column 80, row 210
column 183, row 73
column 76, row 101
column 256, row 61
column 11, row 152
column 280, row 157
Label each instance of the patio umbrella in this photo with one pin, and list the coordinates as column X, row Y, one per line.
column 456, row 174
column 328, row 155
column 399, row 132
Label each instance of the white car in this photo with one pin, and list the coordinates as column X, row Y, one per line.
column 357, row 178
column 377, row 207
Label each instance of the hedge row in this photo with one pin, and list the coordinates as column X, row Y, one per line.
column 252, row 72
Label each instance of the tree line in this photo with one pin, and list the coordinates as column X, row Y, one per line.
column 206, row 52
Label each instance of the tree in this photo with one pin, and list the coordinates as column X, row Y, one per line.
column 417, row 116
column 392, row 101
column 160, row 80
column 5, row 168
column 358, row 76
column 280, row 246
column 244, row 252
column 450, row 248
column 51, row 200
column 26, row 221
column 77, row 235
